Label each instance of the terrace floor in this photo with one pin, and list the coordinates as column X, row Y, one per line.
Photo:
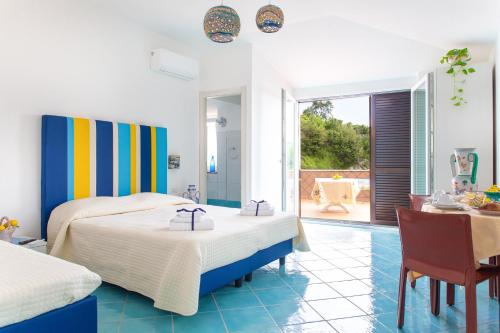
column 348, row 283
column 359, row 212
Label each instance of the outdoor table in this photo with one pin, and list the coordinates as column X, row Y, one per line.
column 335, row 192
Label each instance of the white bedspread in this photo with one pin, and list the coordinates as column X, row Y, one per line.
column 127, row 241
column 34, row 283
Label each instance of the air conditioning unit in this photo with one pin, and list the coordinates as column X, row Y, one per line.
column 173, row 64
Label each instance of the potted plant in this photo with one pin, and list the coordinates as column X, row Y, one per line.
column 458, row 67
column 7, row 228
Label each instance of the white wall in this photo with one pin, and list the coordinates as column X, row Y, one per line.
column 66, row 57
column 497, row 94
column 266, row 131
column 355, row 88
column 470, row 126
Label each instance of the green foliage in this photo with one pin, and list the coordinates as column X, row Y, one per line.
column 458, row 61
column 328, row 143
column 322, row 109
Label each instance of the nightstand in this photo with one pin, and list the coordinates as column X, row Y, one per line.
column 38, row 245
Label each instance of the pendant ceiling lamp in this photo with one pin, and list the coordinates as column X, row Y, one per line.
column 270, row 19
column 222, row 24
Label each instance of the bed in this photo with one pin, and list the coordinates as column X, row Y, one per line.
column 104, row 187
column 42, row 294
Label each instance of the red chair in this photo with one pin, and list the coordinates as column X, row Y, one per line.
column 440, row 246
column 417, row 201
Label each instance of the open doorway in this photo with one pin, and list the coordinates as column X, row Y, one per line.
column 221, row 183
column 335, row 158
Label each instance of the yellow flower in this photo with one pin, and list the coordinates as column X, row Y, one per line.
column 2, row 228
column 14, row 223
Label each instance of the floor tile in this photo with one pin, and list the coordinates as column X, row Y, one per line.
column 374, row 303
column 317, row 265
column 110, row 312
column 351, row 288
column 243, row 299
column 360, row 272
column 206, row 304
column 147, row 325
column 249, row 320
column 266, row 281
column 336, row 308
column 346, row 262
column 333, row 275
column 299, row 278
column 304, row 256
column 363, row 324
column 277, row 295
column 108, row 327
column 108, row 293
column 209, row 322
column 138, row 306
column 313, row 292
column 318, row 327
column 293, row 313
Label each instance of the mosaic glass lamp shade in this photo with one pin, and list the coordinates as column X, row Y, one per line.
column 270, row 19
column 222, row 24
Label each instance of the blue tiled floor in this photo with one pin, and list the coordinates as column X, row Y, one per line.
column 347, row 284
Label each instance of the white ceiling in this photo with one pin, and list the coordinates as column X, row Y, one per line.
column 336, row 41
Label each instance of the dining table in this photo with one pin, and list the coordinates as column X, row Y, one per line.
column 485, row 240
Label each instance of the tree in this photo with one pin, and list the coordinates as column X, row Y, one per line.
column 329, row 143
column 322, row 109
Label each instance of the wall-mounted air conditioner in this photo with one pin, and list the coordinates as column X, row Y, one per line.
column 173, row 64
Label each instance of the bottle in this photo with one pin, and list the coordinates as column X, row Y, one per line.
column 212, row 165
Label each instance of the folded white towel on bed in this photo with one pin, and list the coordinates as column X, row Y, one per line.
column 257, row 208
column 203, row 223
column 262, row 212
column 185, row 213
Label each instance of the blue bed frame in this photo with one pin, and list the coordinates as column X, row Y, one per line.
column 57, row 145
column 78, row 317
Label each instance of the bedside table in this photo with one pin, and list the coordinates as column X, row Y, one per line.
column 38, row 245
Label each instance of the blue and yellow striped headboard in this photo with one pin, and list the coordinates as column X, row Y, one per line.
column 84, row 158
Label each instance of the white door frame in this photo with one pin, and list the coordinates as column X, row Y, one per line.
column 245, row 141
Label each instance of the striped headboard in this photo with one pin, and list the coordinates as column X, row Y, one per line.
column 84, row 158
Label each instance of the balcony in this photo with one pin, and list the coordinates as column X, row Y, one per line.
column 349, row 210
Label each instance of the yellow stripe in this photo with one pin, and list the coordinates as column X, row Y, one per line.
column 82, row 158
column 133, row 159
column 153, row 159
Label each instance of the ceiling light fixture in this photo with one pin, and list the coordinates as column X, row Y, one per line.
column 270, row 19
column 222, row 24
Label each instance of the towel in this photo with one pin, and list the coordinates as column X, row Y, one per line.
column 191, row 220
column 262, row 212
column 204, row 223
column 257, row 208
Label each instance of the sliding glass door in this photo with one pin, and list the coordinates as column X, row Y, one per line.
column 290, row 154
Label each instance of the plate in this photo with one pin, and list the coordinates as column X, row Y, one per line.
column 448, row 207
column 489, row 212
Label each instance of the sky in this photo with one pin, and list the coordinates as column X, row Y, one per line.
column 355, row 110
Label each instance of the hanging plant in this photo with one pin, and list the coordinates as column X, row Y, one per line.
column 458, row 62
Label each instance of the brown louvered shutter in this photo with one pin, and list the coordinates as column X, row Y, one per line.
column 391, row 155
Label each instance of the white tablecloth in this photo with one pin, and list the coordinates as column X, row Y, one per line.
column 335, row 191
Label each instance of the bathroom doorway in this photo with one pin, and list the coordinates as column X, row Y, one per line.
column 222, row 156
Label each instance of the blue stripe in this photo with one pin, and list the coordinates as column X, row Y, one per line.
column 54, row 166
column 104, row 158
column 71, row 159
column 123, row 159
column 145, row 159
column 161, row 160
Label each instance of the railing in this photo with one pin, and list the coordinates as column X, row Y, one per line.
column 307, row 178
